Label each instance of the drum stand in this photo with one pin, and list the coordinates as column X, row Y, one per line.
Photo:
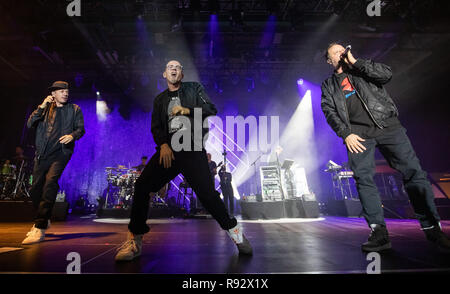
column 182, row 196
column 20, row 184
column 3, row 192
column 158, row 199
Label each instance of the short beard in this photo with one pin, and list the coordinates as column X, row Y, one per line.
column 175, row 82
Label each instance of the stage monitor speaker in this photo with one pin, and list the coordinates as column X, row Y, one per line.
column 262, row 210
column 311, row 209
column 20, row 211
column 113, row 213
column 16, row 211
column 298, row 208
column 60, row 211
column 346, row 207
column 159, row 211
column 294, row 208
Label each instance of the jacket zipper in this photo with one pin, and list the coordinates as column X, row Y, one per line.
column 46, row 138
column 346, row 112
column 365, row 105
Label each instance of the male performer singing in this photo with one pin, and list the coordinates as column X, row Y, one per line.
column 361, row 112
column 58, row 124
column 173, row 112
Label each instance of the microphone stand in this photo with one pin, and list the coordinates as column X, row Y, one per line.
column 256, row 173
column 279, row 175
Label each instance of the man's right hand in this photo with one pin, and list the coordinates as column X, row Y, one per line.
column 166, row 155
column 349, row 59
column 353, row 144
column 48, row 99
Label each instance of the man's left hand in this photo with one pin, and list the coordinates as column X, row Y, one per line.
column 66, row 139
column 180, row 110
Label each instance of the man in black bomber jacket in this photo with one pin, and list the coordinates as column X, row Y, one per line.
column 361, row 112
column 173, row 114
column 58, row 125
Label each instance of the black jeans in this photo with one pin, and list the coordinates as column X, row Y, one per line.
column 46, row 173
column 194, row 167
column 399, row 153
column 228, row 197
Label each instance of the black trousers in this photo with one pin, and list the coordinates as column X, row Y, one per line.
column 228, row 197
column 193, row 165
column 399, row 153
column 46, row 173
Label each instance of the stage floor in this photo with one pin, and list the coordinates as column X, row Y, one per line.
column 187, row 246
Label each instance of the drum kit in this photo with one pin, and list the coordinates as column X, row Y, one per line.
column 15, row 181
column 121, row 182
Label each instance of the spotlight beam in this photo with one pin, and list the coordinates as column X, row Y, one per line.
column 225, row 146
column 232, row 141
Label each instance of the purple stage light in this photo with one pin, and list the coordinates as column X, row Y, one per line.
column 218, row 86
column 145, row 42
column 250, row 84
column 79, row 80
column 235, row 79
column 303, row 86
column 107, row 142
column 213, row 31
column 269, row 32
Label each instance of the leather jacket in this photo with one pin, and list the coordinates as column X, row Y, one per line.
column 367, row 78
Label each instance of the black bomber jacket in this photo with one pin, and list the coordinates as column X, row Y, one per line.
column 367, row 78
column 192, row 95
column 43, row 118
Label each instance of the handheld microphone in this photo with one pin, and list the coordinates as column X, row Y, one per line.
column 348, row 48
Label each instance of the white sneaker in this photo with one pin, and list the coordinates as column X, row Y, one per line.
column 48, row 227
column 236, row 234
column 131, row 249
column 35, row 235
column 239, row 239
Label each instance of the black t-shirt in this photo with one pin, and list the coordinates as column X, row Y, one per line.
column 360, row 120
column 53, row 144
column 175, row 122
